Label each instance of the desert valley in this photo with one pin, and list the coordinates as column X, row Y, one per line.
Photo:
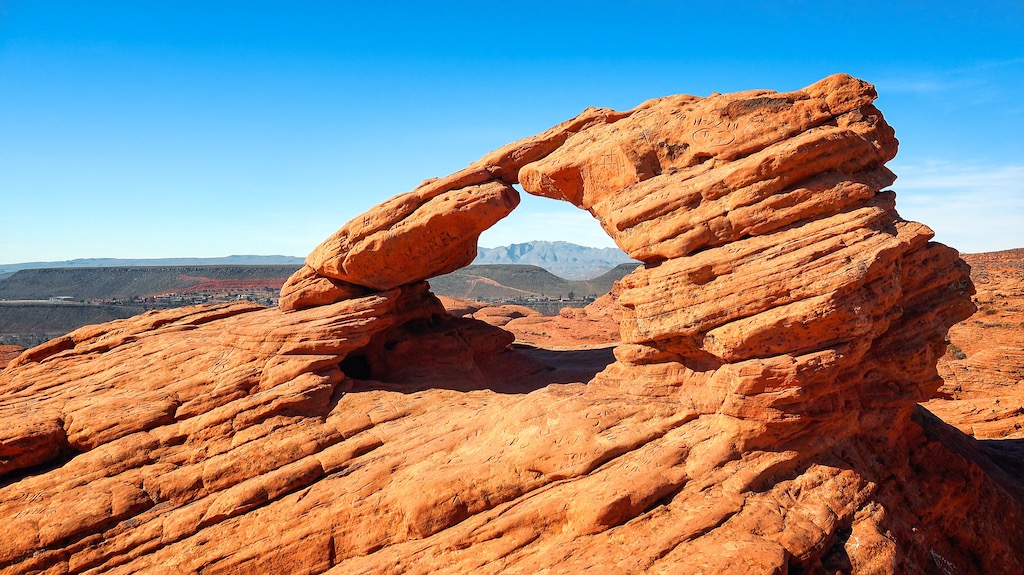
column 793, row 379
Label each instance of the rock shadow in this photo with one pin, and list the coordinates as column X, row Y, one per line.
column 1002, row 459
column 63, row 454
column 520, row 369
column 1008, row 454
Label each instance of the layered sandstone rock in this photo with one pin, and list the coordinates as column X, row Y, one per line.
column 983, row 369
column 9, row 352
column 501, row 315
column 430, row 231
column 595, row 325
column 759, row 417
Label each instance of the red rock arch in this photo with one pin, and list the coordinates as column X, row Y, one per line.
column 770, row 249
column 760, row 416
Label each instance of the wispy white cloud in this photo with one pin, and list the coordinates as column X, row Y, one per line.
column 989, row 65
column 938, row 175
column 971, row 207
column 977, row 83
column 921, row 85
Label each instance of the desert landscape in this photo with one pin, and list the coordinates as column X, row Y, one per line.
column 795, row 380
column 41, row 303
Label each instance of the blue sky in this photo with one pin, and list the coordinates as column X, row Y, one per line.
column 174, row 129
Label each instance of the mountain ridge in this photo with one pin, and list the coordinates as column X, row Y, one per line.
column 500, row 281
column 564, row 259
column 153, row 262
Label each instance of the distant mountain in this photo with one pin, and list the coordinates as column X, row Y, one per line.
column 134, row 281
column 114, row 262
column 564, row 259
column 28, row 317
column 514, row 281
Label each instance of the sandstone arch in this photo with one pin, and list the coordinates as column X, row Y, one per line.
column 760, row 418
column 760, row 216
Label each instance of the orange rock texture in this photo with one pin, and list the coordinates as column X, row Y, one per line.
column 9, row 352
column 595, row 325
column 759, row 416
column 983, row 369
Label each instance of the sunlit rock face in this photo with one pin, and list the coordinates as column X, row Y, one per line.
column 759, row 415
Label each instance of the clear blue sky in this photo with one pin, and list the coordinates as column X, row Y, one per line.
column 173, row 129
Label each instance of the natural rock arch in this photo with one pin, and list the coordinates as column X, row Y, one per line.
column 760, row 418
column 768, row 242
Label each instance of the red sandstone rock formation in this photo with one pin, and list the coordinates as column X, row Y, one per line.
column 595, row 325
column 501, row 315
column 983, row 369
column 760, row 416
column 9, row 352
column 461, row 307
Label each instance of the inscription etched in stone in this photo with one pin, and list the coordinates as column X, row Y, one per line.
column 607, row 163
column 714, row 132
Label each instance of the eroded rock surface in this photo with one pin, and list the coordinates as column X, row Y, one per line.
column 760, row 415
column 595, row 325
column 983, row 369
column 9, row 352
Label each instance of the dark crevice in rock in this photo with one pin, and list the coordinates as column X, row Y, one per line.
column 63, row 455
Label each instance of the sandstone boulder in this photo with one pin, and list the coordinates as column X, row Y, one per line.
column 500, row 315
column 430, row 231
column 596, row 325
